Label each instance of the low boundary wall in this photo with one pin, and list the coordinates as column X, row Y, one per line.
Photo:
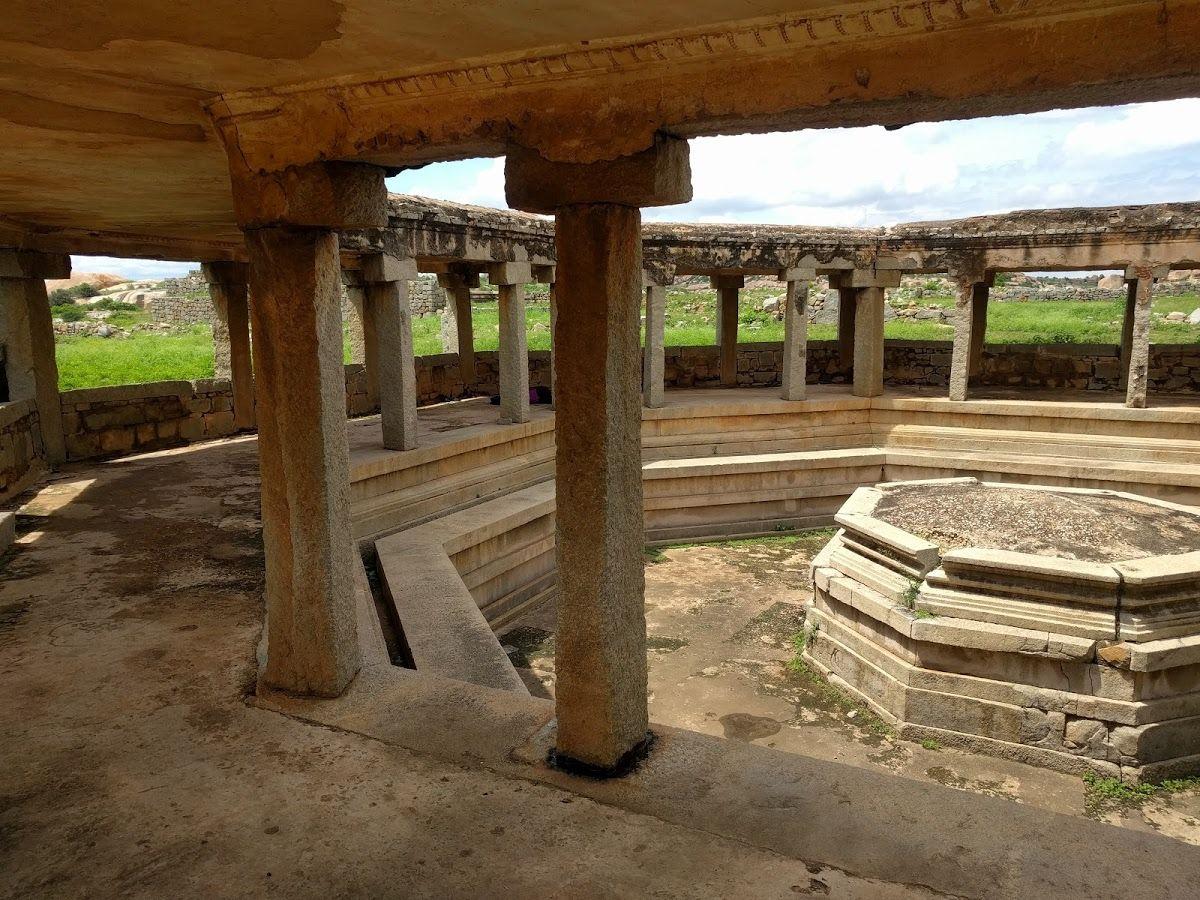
column 21, row 451
column 111, row 421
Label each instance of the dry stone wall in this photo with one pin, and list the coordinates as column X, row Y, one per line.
column 21, row 449
column 111, row 421
column 100, row 422
column 1174, row 368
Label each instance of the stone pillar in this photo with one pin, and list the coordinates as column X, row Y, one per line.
column 553, row 352
column 847, row 297
column 290, row 220
column 868, row 343
column 364, row 342
column 979, row 314
column 227, row 285
column 728, row 288
column 458, row 311
column 869, row 285
column 386, row 279
column 970, row 325
column 27, row 333
column 794, row 372
column 1127, row 330
column 1138, row 376
column 546, row 275
column 601, row 638
column 654, row 353
column 511, row 279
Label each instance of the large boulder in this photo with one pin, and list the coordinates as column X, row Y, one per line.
column 1112, row 283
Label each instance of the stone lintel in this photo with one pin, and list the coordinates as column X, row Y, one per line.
column 510, row 273
column 225, row 272
column 383, row 267
column 657, row 272
column 543, row 274
column 1147, row 270
column 453, row 278
column 797, row 274
column 728, row 282
column 660, row 175
column 333, row 195
column 34, row 264
column 865, row 278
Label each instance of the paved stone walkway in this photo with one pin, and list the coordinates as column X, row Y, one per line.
column 721, row 620
column 131, row 765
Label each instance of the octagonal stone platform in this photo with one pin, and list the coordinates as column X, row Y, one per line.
column 1054, row 626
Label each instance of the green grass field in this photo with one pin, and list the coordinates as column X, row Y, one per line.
column 94, row 361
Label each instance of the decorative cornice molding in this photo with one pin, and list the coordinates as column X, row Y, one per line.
column 785, row 34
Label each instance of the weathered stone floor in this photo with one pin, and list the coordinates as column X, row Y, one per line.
column 721, row 619
column 131, row 765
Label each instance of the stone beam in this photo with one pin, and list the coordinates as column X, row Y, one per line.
column 322, row 195
column 661, row 172
column 778, row 72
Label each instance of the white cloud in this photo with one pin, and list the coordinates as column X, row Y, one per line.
column 133, row 269
column 1138, row 129
column 1143, row 153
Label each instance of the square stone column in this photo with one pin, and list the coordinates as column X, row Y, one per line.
column 553, row 353
column 386, row 281
column 600, row 655
column 458, row 311
column 654, row 353
column 364, row 341
column 1138, row 374
column 868, row 342
column 312, row 646
column 979, row 314
column 970, row 325
column 728, row 288
column 290, row 220
column 27, row 332
column 847, row 298
column 227, row 285
column 869, row 285
column 511, row 279
column 1127, row 330
column 794, row 371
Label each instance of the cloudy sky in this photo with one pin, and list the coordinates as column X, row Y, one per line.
column 1143, row 153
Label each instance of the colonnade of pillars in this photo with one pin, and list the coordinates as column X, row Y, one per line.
column 860, row 328
column 380, row 335
column 970, row 327
column 601, row 381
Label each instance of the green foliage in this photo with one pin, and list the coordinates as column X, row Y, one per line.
column 69, row 313
column 654, row 555
column 1105, row 794
column 141, row 357
column 924, row 614
column 909, row 598
column 110, row 305
column 930, row 744
column 864, row 717
column 65, row 296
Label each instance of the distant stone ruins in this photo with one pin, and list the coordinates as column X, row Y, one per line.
column 270, row 663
